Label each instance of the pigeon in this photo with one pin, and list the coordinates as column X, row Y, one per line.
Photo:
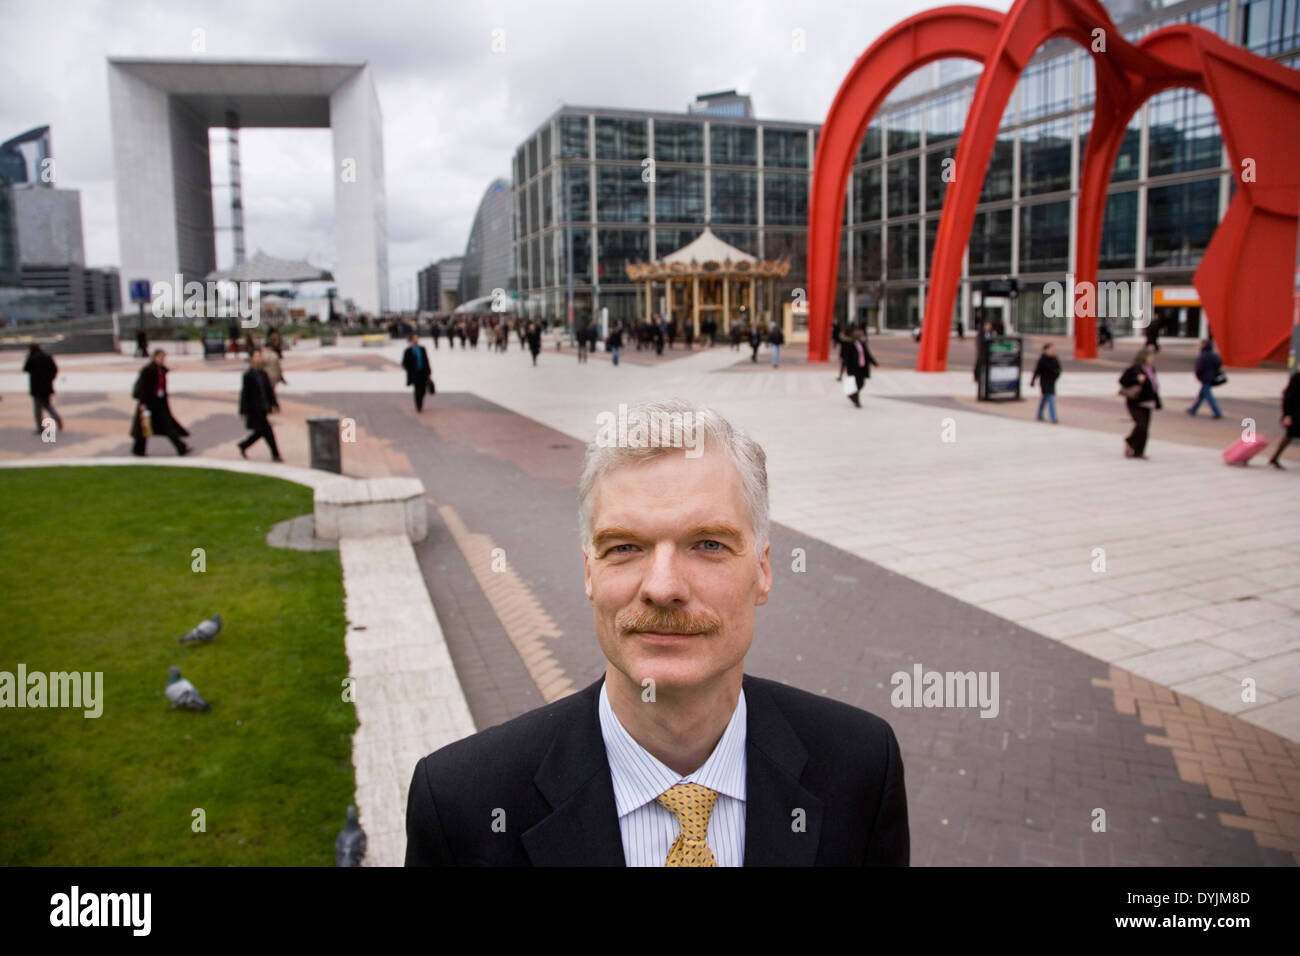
column 182, row 693
column 350, row 844
column 204, row 632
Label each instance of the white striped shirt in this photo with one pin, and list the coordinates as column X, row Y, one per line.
column 648, row 829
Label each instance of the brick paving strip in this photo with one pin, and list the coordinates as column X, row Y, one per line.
column 1234, row 759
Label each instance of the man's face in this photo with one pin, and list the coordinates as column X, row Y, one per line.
column 257, row 359
column 673, row 575
column 159, row 358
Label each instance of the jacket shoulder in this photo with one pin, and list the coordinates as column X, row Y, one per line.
column 816, row 718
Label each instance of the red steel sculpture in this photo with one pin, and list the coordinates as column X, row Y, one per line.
column 1245, row 278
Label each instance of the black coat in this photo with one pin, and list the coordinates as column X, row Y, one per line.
column 1049, row 370
column 1148, row 393
column 1208, row 364
column 256, row 397
column 615, row 340
column 409, row 363
column 849, row 355
column 549, row 773
column 1291, row 404
column 776, row 336
column 41, row 372
column 146, row 391
column 534, row 341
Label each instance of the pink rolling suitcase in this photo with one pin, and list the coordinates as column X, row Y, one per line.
column 1242, row 451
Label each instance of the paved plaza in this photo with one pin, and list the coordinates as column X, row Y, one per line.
column 1124, row 604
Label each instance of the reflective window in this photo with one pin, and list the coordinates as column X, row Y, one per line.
column 785, row 199
column 998, row 178
column 903, row 183
column 870, row 148
column 1180, row 221
column 621, row 139
column 622, row 305
column 536, row 272
column 866, row 194
column 791, row 247
column 573, row 136
column 670, row 240
column 1087, row 79
column 548, row 205
column 1119, row 232
column 621, row 196
column 746, row 240
column 1045, row 237
column 679, row 194
column 868, row 257
column 1045, row 157
column 904, row 129
column 581, row 256
column 534, row 206
column 679, row 142
column 1270, row 26
column 1184, row 133
column 786, row 148
column 579, row 197
column 616, row 249
column 544, row 159
column 902, row 308
column 990, row 243
column 1127, row 165
column 734, row 196
column 946, row 116
column 521, row 168
column 940, row 166
column 733, row 145
column 903, row 250
column 530, row 152
column 1215, row 18
column 548, row 258
column 1047, row 88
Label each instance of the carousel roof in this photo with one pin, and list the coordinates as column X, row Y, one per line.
column 706, row 247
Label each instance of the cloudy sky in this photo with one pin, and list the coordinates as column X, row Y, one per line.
column 454, row 110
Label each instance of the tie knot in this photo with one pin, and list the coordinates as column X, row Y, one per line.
column 692, row 805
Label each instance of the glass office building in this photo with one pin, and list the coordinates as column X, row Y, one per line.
column 1170, row 185
column 621, row 187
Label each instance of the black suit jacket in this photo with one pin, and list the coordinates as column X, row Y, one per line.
column 544, row 779
column 413, row 371
column 849, row 353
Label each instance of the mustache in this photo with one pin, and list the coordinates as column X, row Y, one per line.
column 667, row 621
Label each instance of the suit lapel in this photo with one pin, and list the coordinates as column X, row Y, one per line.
column 776, row 833
column 574, row 777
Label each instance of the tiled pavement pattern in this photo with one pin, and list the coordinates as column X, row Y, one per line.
column 1020, row 788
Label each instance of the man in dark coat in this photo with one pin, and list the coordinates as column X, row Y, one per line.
column 418, row 371
column 614, row 342
column 857, row 361
column 256, row 402
column 1290, row 417
column 1047, row 371
column 150, row 394
column 1208, row 366
column 534, row 336
column 676, row 756
column 1141, row 393
column 41, row 371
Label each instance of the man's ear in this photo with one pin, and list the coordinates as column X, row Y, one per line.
column 765, row 575
column 586, row 573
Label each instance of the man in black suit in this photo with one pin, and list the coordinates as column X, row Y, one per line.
column 857, row 360
column 418, row 371
column 41, row 372
column 675, row 757
column 256, row 402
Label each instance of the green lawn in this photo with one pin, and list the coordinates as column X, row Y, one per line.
column 95, row 575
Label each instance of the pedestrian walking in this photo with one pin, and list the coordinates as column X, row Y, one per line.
column 659, row 335
column 593, row 337
column 153, row 413
column 689, row 334
column 776, row 338
column 755, row 339
column 857, row 360
column 256, row 402
column 1106, row 333
column 1141, row 393
column 581, row 339
column 1209, row 372
column 435, row 329
column 41, row 372
column 1290, row 417
column 274, row 343
column 419, row 373
column 615, row 342
column 1046, row 372
column 141, row 344
column 534, row 337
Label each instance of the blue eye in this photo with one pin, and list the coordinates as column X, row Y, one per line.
column 718, row 543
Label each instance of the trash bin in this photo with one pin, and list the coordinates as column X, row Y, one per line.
column 323, row 437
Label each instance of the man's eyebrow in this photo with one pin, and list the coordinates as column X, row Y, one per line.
column 699, row 531
column 606, row 534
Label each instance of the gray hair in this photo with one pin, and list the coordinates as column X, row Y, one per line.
column 709, row 428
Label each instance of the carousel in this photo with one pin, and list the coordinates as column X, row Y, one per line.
column 709, row 279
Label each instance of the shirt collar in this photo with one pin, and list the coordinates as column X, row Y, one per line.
column 639, row 776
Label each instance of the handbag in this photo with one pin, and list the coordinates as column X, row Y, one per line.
column 850, row 384
column 1219, row 378
column 1131, row 391
column 430, row 389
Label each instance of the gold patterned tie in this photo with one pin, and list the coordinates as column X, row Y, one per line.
column 692, row 805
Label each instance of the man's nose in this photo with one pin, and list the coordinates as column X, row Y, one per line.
column 665, row 579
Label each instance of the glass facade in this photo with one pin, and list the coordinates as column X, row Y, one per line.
column 679, row 142
column 733, row 145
